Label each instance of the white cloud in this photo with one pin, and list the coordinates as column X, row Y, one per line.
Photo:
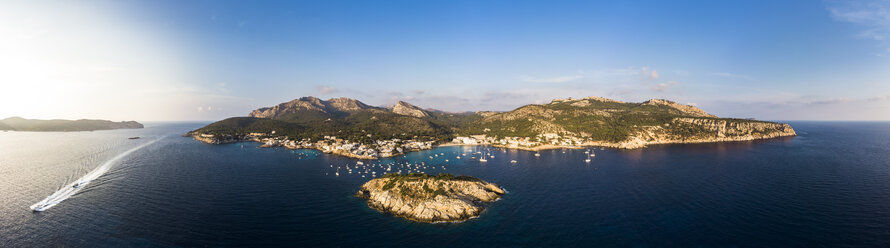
column 661, row 87
column 830, row 101
column 879, row 98
column 324, row 90
column 872, row 15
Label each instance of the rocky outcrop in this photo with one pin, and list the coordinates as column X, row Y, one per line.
column 343, row 104
column 404, row 108
column 424, row 198
column 601, row 99
column 684, row 109
column 310, row 103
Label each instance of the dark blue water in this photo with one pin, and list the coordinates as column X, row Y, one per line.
column 830, row 186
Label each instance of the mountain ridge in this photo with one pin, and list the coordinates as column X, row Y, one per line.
column 589, row 121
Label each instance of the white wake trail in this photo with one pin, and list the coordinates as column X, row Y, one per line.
column 71, row 189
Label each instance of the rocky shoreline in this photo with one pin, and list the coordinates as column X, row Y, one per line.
column 424, row 198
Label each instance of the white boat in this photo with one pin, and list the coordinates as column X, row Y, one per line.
column 482, row 159
column 587, row 160
column 458, row 157
column 38, row 207
column 359, row 163
column 512, row 161
column 537, row 154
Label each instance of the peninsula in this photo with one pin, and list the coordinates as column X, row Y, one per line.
column 351, row 128
column 22, row 124
column 424, row 198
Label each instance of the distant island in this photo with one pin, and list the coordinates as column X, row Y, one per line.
column 351, row 128
column 22, row 124
column 424, row 198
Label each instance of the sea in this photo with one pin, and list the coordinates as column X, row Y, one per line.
column 827, row 187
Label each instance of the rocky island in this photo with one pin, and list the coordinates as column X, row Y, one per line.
column 22, row 124
column 351, row 128
column 424, row 198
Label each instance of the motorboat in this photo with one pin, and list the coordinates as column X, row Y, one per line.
column 38, row 207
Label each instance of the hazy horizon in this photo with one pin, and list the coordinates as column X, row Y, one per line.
column 209, row 60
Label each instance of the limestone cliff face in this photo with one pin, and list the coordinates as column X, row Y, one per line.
column 724, row 128
column 345, row 104
column 404, row 108
column 710, row 130
column 430, row 199
column 309, row 103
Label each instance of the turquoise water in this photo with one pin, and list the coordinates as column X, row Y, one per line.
column 827, row 187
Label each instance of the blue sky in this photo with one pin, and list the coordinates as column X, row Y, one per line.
column 206, row 60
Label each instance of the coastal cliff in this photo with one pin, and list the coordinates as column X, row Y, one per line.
column 424, row 198
column 705, row 130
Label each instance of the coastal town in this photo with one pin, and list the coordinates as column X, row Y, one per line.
column 394, row 147
column 328, row 144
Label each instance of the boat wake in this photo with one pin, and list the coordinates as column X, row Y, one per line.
column 69, row 190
